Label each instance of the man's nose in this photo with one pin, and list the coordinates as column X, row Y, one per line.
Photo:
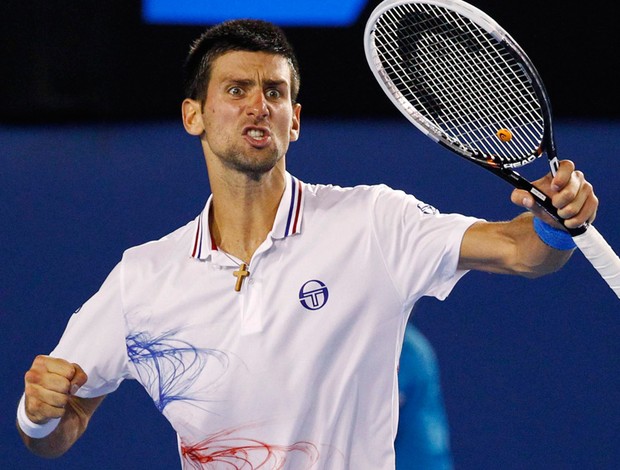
column 257, row 105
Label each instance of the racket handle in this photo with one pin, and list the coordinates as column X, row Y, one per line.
column 601, row 255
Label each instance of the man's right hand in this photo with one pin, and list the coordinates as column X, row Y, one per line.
column 49, row 384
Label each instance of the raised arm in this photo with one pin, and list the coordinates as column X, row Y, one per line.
column 514, row 247
column 49, row 400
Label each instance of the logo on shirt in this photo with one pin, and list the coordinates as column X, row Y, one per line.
column 313, row 295
column 427, row 209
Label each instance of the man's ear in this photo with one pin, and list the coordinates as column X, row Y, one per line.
column 192, row 116
column 296, row 127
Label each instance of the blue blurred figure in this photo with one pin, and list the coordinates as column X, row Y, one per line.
column 423, row 441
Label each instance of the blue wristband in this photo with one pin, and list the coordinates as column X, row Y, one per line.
column 553, row 237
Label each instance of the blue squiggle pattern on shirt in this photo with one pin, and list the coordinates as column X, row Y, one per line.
column 169, row 366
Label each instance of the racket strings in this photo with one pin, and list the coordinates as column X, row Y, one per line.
column 447, row 70
column 489, row 87
column 479, row 94
column 476, row 97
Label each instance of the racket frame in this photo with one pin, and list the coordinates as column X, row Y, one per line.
column 587, row 238
column 435, row 133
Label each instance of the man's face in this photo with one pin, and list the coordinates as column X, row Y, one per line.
column 248, row 116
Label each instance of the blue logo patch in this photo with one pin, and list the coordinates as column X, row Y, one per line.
column 313, row 295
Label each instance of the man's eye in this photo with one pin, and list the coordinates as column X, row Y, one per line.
column 274, row 94
column 235, row 91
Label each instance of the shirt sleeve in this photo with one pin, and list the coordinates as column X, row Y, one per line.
column 420, row 246
column 95, row 340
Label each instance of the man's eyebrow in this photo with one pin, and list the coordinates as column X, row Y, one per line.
column 239, row 81
column 271, row 82
column 276, row 82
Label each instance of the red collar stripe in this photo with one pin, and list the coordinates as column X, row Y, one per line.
column 198, row 239
column 294, row 208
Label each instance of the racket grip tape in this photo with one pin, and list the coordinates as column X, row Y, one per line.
column 601, row 255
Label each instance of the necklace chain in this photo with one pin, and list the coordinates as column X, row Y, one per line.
column 233, row 259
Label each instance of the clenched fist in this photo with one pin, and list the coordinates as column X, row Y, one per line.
column 49, row 384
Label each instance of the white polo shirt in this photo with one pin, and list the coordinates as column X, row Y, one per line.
column 298, row 369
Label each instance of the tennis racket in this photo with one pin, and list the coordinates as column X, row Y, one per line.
column 465, row 83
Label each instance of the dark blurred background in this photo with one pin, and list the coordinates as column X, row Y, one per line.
column 94, row 159
column 94, row 60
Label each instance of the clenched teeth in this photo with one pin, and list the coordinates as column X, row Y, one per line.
column 256, row 134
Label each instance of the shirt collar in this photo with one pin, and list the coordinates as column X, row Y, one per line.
column 287, row 221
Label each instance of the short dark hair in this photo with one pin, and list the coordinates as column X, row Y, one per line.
column 235, row 35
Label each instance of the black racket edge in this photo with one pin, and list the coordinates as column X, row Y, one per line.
column 548, row 145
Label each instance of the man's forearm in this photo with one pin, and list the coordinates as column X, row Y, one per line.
column 510, row 248
column 71, row 426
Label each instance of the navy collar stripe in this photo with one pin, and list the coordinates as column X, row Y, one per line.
column 290, row 209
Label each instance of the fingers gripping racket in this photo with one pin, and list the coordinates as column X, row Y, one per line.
column 463, row 81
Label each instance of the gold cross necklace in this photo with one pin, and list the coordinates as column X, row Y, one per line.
column 241, row 273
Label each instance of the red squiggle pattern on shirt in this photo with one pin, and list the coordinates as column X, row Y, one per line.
column 225, row 451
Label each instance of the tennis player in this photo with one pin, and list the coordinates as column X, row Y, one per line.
column 268, row 330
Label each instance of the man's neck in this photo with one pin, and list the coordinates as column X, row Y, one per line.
column 243, row 212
